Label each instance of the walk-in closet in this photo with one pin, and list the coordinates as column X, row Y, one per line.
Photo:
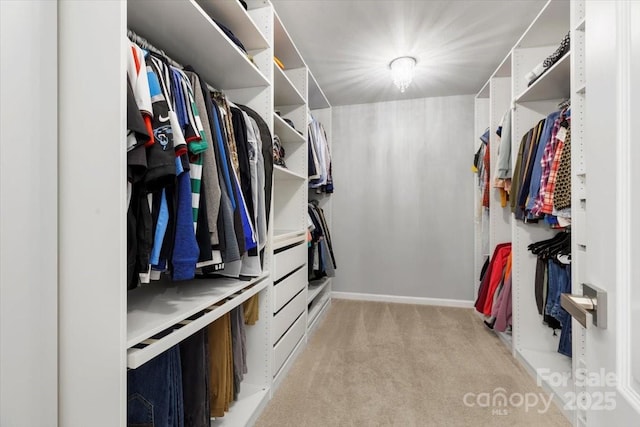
column 230, row 213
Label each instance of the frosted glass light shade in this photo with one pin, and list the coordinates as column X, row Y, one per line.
column 402, row 70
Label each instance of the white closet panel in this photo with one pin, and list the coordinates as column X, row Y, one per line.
column 92, row 209
column 28, row 213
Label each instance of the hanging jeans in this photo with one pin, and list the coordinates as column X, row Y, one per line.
column 155, row 392
column 558, row 283
column 564, row 347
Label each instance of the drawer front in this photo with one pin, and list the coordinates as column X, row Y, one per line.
column 287, row 261
column 289, row 287
column 285, row 346
column 289, row 313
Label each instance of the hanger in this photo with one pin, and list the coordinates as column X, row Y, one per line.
column 546, row 248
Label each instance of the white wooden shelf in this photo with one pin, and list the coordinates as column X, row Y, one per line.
column 316, row 321
column 484, row 91
column 284, row 48
column 549, row 27
column 504, row 69
column 241, row 413
column 285, row 174
column 285, row 132
column 201, row 43
column 159, row 307
column 282, row 238
column 232, row 15
column 315, row 287
column 317, row 99
column 554, row 84
column 285, row 93
column 317, row 307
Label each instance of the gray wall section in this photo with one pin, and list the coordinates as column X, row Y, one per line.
column 402, row 216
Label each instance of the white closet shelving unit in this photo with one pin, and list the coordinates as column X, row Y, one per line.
column 319, row 291
column 578, row 189
column 290, row 183
column 532, row 342
column 492, row 227
column 187, row 307
column 500, row 102
column 480, row 214
column 105, row 329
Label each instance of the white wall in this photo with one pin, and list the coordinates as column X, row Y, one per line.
column 28, row 214
column 402, row 216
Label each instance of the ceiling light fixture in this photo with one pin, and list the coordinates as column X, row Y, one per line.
column 402, row 69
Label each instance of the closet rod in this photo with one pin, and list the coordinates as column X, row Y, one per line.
column 564, row 104
column 144, row 43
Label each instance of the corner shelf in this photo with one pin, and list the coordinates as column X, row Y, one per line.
column 315, row 287
column 317, row 99
column 554, row 84
column 233, row 16
column 284, row 91
column 317, row 307
column 164, row 27
column 284, row 48
column 285, row 132
column 285, row 174
column 484, row 92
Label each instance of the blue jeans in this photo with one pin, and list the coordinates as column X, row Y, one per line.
column 559, row 282
column 564, row 346
column 154, row 392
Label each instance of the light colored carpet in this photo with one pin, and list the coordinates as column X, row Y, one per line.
column 380, row 364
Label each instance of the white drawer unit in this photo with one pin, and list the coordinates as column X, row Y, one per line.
column 289, row 313
column 288, row 260
column 288, row 342
column 289, row 287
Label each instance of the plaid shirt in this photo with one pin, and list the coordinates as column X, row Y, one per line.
column 546, row 161
column 547, row 206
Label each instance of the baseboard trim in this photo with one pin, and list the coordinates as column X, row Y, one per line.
column 402, row 300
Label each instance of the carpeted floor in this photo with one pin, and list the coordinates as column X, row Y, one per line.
column 379, row 364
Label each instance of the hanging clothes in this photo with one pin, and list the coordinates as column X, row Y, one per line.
column 502, row 180
column 199, row 177
column 154, row 392
column 320, row 176
column 553, row 278
column 493, row 278
column 322, row 261
column 541, row 163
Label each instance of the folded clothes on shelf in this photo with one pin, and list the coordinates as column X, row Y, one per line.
column 544, row 66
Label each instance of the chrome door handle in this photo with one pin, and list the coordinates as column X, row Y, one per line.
column 592, row 304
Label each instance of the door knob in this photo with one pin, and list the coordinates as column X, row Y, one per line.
column 592, row 304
